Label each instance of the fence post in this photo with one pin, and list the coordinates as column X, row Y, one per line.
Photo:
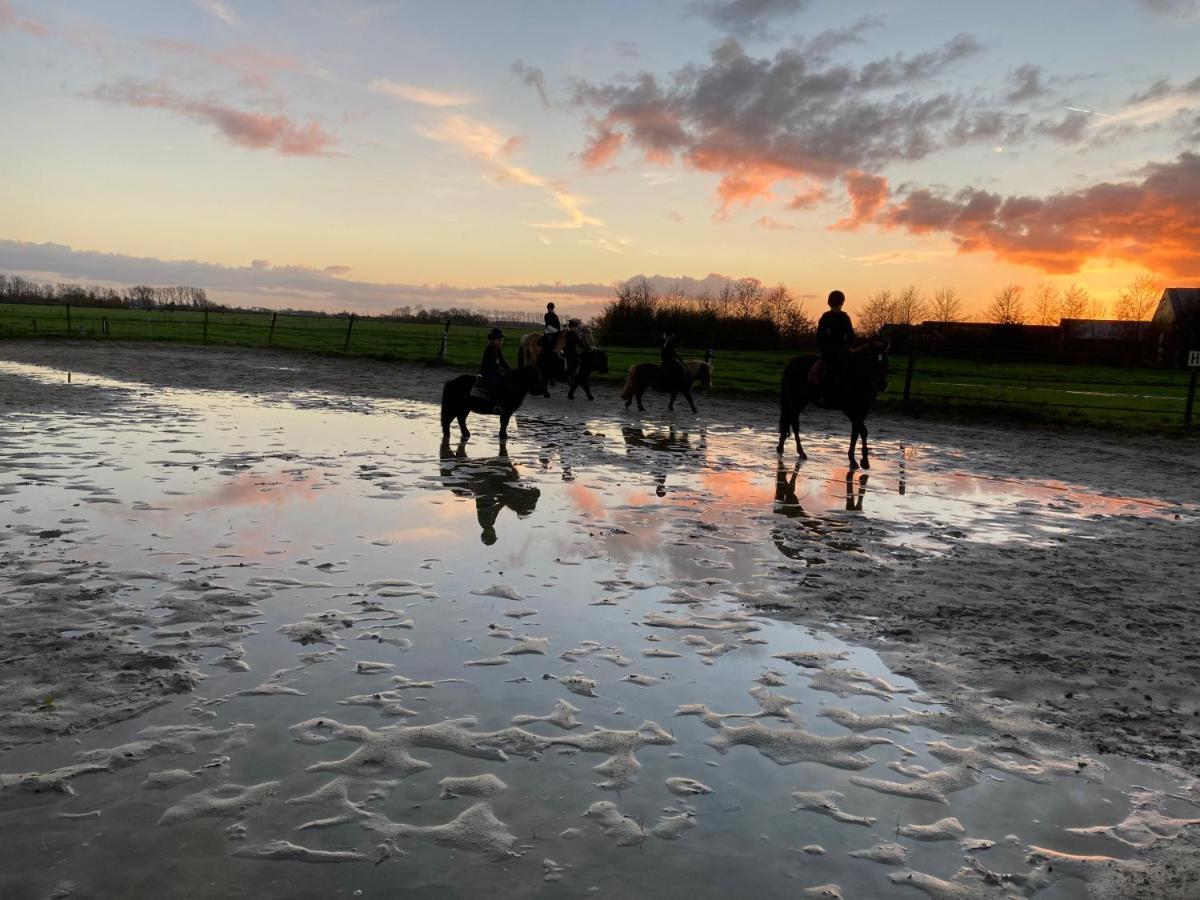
column 205, row 335
column 708, row 356
column 445, row 342
column 271, row 333
column 68, row 319
column 349, row 326
column 104, row 325
column 908, row 372
column 1191, row 400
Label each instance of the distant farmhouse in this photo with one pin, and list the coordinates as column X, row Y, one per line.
column 1163, row 341
column 1175, row 327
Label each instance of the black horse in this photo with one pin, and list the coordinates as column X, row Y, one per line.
column 458, row 401
column 590, row 361
column 864, row 378
column 495, row 484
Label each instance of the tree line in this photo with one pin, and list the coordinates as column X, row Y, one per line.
column 1046, row 304
column 16, row 289
column 744, row 313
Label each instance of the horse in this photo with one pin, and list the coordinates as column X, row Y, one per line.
column 865, row 377
column 551, row 366
column 458, row 401
column 650, row 375
column 589, row 361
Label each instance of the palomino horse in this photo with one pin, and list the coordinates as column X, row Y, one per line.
column 552, row 366
column 864, row 378
column 458, row 401
column 644, row 376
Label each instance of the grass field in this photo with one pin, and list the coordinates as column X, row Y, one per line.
column 1124, row 397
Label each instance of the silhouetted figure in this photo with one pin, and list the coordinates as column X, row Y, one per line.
column 551, row 319
column 493, row 367
column 672, row 365
column 835, row 334
column 494, row 483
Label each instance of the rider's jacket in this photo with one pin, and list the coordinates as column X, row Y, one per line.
column 493, row 366
column 551, row 319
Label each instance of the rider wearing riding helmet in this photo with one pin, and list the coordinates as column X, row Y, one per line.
column 835, row 334
column 672, row 365
column 493, row 367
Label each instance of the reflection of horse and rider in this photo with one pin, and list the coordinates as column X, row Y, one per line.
column 494, row 483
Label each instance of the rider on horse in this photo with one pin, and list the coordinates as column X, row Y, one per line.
column 672, row 365
column 835, row 334
column 493, row 367
column 553, row 327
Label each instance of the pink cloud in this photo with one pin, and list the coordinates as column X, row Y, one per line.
column 254, row 66
column 773, row 224
column 10, row 18
column 601, row 148
column 868, row 193
column 258, row 131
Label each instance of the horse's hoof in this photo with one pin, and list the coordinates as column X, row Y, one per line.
column 779, row 450
column 866, row 463
column 802, row 454
column 853, row 466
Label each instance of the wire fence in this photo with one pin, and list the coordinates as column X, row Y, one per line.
column 1038, row 383
column 1043, row 382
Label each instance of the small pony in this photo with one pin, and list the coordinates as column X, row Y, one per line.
column 458, row 401
column 645, row 376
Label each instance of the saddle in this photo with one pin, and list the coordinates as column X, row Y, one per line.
column 816, row 375
column 481, row 390
column 548, row 340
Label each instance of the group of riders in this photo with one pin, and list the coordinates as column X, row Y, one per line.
column 835, row 335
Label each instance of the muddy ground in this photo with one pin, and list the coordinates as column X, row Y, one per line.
column 1082, row 639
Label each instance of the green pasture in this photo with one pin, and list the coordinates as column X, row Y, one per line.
column 1108, row 396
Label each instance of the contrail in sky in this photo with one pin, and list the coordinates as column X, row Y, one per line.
column 1090, row 112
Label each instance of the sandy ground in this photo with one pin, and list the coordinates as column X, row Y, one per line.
column 1088, row 644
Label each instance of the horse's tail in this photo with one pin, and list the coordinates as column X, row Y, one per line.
column 630, row 388
column 785, row 402
column 447, row 411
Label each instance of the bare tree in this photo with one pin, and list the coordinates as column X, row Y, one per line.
column 1097, row 308
column 1007, row 307
column 908, row 307
column 1137, row 302
column 1075, row 302
column 1046, row 304
column 878, row 312
column 946, row 305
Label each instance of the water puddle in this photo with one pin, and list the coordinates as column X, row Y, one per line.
column 547, row 669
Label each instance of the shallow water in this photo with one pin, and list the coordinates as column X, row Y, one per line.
column 307, row 503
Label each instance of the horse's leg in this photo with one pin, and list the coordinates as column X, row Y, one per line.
column 796, row 431
column 862, row 428
column 671, row 402
column 587, row 387
column 465, row 435
column 641, row 393
column 853, row 442
column 687, row 393
column 504, row 417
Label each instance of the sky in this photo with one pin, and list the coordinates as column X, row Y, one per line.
column 370, row 154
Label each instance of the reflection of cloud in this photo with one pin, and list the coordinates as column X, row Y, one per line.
column 248, row 489
column 427, row 533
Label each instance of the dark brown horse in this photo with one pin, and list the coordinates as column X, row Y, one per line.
column 550, row 363
column 458, row 401
column 865, row 377
column 644, row 376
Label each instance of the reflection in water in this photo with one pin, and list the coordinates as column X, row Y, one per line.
column 854, row 502
column 673, row 442
column 494, row 483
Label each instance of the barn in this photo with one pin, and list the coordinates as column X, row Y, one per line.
column 1175, row 326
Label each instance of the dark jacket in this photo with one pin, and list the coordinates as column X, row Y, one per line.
column 493, row 367
column 667, row 353
column 551, row 318
column 835, row 333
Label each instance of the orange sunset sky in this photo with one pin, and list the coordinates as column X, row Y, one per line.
column 370, row 154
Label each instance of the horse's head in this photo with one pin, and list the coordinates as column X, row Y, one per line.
column 703, row 373
column 877, row 357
